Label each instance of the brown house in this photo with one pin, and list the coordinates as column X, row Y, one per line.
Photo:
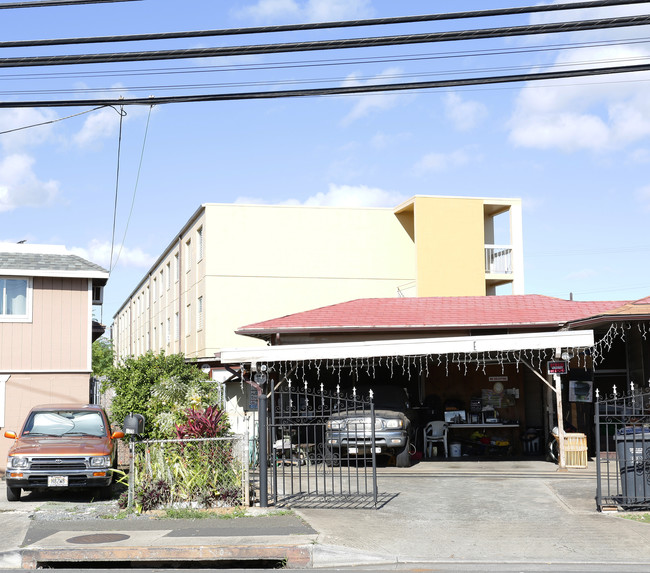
column 46, row 329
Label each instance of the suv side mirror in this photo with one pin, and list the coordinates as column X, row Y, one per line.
column 9, row 434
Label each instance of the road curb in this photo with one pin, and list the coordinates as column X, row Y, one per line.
column 292, row 556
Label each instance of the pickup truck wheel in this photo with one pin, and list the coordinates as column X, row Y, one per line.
column 13, row 493
column 403, row 459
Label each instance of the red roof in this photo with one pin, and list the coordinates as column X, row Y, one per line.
column 436, row 313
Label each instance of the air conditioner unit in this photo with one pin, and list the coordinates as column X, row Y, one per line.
column 98, row 294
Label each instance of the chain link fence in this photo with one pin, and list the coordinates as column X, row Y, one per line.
column 197, row 473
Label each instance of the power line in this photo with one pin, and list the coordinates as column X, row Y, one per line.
column 51, row 121
column 347, row 43
column 313, row 25
column 47, row 3
column 332, row 91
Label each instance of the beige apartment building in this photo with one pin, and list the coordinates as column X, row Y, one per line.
column 232, row 265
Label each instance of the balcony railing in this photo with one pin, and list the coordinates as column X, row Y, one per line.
column 498, row 259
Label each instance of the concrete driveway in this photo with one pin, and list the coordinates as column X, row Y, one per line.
column 445, row 512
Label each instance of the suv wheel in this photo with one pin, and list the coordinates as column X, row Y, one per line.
column 13, row 493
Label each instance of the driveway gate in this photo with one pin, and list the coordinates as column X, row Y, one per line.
column 304, row 469
column 623, row 450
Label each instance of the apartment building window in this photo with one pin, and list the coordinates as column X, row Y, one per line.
column 155, row 338
column 169, row 276
column 199, row 313
column 199, row 245
column 177, row 267
column 15, row 299
column 188, row 255
column 162, row 282
column 177, row 326
column 146, row 298
column 148, row 342
column 154, row 289
column 188, row 317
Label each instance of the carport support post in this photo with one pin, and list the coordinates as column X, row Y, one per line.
column 561, row 464
column 263, row 437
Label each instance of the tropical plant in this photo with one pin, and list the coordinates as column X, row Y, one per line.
column 157, row 385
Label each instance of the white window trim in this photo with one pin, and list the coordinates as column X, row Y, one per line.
column 3, row 397
column 29, row 296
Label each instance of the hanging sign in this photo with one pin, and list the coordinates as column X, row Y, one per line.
column 557, row 367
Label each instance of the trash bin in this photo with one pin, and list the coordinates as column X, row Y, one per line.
column 633, row 453
column 455, row 450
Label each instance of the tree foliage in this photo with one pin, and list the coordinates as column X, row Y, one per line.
column 159, row 386
column 102, row 356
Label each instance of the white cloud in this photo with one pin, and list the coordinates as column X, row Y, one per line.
column 306, row 11
column 19, row 186
column 442, row 161
column 372, row 102
column 340, row 196
column 640, row 156
column 104, row 123
column 355, row 196
column 11, row 119
column 463, row 114
column 99, row 252
column 643, row 197
column 98, row 125
column 598, row 114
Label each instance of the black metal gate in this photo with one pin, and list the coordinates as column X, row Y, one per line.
column 623, row 450
column 307, row 467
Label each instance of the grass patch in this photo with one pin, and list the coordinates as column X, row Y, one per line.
column 640, row 517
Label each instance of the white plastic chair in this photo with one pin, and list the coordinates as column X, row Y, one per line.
column 435, row 432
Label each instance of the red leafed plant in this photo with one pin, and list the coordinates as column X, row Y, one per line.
column 208, row 423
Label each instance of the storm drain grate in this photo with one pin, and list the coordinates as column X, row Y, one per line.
column 98, row 538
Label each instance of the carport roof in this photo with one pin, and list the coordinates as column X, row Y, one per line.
column 436, row 313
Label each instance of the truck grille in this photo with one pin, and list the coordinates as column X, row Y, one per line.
column 58, row 464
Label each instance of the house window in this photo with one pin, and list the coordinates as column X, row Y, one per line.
column 199, row 246
column 199, row 313
column 15, row 299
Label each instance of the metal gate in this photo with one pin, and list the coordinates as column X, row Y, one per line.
column 307, row 467
column 623, row 450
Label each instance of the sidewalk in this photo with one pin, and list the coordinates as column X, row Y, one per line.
column 445, row 513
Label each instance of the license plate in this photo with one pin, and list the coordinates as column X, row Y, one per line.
column 353, row 450
column 57, row 481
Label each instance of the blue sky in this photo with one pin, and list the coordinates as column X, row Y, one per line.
column 577, row 151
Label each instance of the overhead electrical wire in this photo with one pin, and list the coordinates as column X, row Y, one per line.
column 348, row 43
column 331, row 91
column 323, row 62
column 266, row 83
column 320, row 25
column 48, row 3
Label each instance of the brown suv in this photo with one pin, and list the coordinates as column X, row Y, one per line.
column 62, row 446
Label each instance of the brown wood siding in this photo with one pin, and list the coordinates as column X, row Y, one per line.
column 58, row 336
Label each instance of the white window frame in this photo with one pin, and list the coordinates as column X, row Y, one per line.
column 29, row 294
column 188, row 255
column 168, row 284
column 188, row 319
column 199, row 246
column 199, row 314
column 177, row 326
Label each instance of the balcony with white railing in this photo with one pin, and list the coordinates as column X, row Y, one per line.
column 498, row 259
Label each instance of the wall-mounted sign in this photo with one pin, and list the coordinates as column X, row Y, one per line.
column 557, row 367
column 498, row 378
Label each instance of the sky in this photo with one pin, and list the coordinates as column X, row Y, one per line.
column 576, row 151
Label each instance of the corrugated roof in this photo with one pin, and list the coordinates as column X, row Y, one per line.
column 436, row 313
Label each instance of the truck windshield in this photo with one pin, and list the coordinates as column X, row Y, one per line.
column 60, row 423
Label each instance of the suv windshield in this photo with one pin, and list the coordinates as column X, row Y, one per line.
column 65, row 422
